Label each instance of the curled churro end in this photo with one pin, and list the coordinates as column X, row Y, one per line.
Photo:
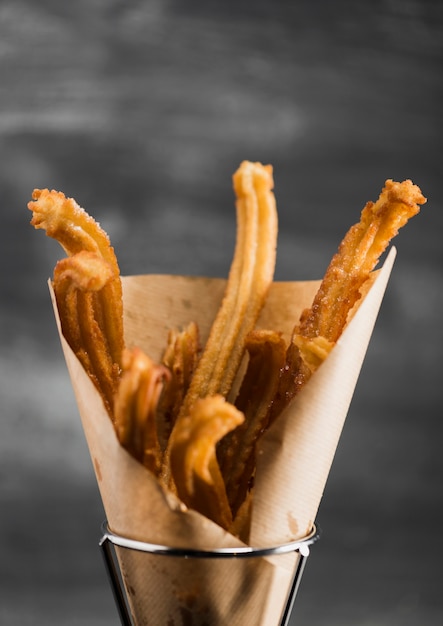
column 76, row 231
column 180, row 357
column 135, row 407
column 312, row 351
column 86, row 271
column 195, row 470
column 64, row 220
column 87, row 287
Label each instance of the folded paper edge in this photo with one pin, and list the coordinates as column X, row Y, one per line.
column 303, row 441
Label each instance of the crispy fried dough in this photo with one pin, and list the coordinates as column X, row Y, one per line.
column 135, row 407
column 357, row 256
column 180, row 357
column 91, row 317
column 193, row 460
column 75, row 230
column 250, row 277
column 321, row 325
column 267, row 351
column 78, row 283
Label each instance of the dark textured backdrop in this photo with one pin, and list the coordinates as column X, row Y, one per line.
column 142, row 111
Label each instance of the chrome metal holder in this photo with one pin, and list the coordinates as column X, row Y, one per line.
column 110, row 540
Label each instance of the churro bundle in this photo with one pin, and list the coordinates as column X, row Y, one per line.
column 201, row 418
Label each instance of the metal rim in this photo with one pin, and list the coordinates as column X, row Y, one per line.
column 301, row 545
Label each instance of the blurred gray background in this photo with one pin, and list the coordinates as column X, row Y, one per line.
column 142, row 111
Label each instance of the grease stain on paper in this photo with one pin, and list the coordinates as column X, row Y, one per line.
column 292, row 524
column 98, row 471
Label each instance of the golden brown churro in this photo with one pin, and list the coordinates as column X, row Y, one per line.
column 75, row 230
column 135, row 408
column 267, row 351
column 358, row 254
column 78, row 283
column 180, row 357
column 250, row 277
column 91, row 316
column 194, row 465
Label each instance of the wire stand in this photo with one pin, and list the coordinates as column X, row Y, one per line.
column 110, row 540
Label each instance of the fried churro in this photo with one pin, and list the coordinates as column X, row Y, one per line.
column 250, row 277
column 193, row 459
column 96, row 313
column 135, row 407
column 321, row 325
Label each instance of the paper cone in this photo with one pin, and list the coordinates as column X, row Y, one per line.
column 294, row 461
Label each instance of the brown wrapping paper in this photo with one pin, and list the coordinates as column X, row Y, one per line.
column 294, row 461
column 306, row 436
